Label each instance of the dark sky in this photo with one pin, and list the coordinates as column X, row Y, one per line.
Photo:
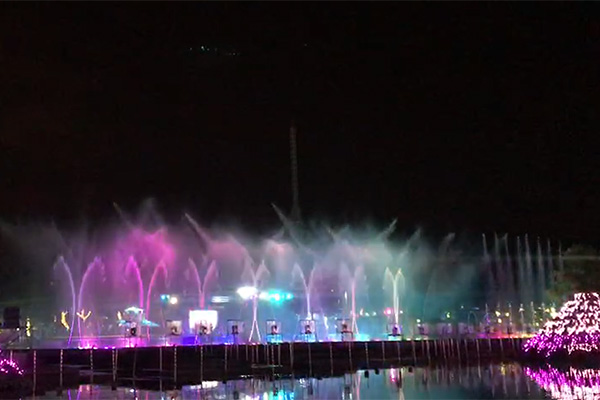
column 471, row 116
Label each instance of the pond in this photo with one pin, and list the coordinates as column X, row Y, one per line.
column 498, row 381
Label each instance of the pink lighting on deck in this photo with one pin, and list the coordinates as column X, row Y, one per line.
column 10, row 367
column 575, row 328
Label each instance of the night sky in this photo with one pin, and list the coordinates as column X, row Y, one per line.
column 464, row 117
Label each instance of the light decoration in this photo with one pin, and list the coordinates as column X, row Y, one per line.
column 10, row 367
column 572, row 384
column 63, row 319
column 575, row 328
column 83, row 315
column 247, row 292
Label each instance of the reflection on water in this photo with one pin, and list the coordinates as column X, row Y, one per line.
column 570, row 384
column 504, row 381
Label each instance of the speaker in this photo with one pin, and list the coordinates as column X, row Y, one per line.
column 12, row 318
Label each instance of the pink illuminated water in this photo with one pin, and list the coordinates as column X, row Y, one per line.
column 82, row 289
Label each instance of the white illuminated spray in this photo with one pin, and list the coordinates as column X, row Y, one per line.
column 212, row 273
column 257, row 278
column 349, row 281
column 307, row 284
column 397, row 282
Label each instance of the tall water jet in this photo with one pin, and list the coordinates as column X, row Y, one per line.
column 90, row 268
column 561, row 265
column 397, row 282
column 509, row 271
column 550, row 264
column 349, row 281
column 307, row 284
column 500, row 273
column 529, row 268
column 61, row 262
column 521, row 276
column 161, row 268
column 489, row 271
column 132, row 268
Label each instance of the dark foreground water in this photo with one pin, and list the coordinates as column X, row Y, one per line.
column 502, row 381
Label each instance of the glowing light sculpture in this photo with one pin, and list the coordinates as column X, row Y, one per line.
column 576, row 328
column 9, row 367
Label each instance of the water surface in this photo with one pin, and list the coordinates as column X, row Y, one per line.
column 503, row 381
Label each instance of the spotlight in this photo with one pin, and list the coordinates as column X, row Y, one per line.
column 173, row 300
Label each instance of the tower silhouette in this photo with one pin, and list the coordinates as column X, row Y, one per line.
column 295, row 214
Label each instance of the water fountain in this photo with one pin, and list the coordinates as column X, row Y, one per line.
column 341, row 274
column 349, row 282
column 396, row 281
column 256, row 278
column 62, row 264
column 308, row 285
column 211, row 275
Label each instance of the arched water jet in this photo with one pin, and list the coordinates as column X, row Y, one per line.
column 65, row 267
column 307, row 284
column 211, row 273
column 161, row 267
column 256, row 278
column 196, row 276
column 132, row 267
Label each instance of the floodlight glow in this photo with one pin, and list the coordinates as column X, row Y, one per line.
column 247, row 292
column 206, row 318
column 173, row 300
